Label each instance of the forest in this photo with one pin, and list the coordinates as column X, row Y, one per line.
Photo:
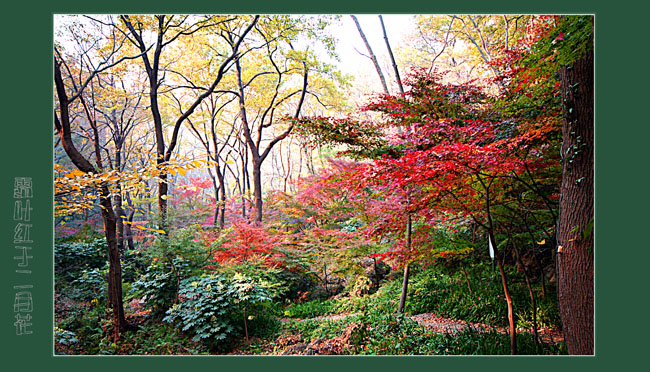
column 323, row 184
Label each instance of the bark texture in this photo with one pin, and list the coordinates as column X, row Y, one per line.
column 575, row 259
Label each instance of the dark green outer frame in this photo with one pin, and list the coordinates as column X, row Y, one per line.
column 621, row 94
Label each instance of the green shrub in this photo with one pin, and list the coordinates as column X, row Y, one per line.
column 89, row 323
column 384, row 301
column 448, row 296
column 206, row 308
column 90, row 284
column 133, row 265
column 64, row 340
column 392, row 334
column 310, row 309
column 269, row 278
column 71, row 258
column 472, row 342
column 312, row 329
column 156, row 338
column 215, row 308
column 444, row 291
column 548, row 315
column 183, row 244
column 159, row 285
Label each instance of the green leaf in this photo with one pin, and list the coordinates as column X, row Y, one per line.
column 588, row 230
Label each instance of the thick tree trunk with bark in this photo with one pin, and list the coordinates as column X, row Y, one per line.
column 162, row 200
column 257, row 190
column 129, row 231
column 115, row 267
column 119, row 212
column 575, row 258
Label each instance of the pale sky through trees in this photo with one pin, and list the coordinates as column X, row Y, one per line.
column 397, row 26
column 350, row 45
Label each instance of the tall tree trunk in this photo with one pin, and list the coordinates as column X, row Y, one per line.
column 222, row 201
column 129, row 231
column 405, row 280
column 162, row 200
column 372, row 55
column 243, row 152
column 219, row 197
column 114, row 267
column 392, row 58
column 245, row 324
column 118, row 200
column 309, row 161
column 257, row 189
column 215, row 217
column 542, row 274
column 575, row 259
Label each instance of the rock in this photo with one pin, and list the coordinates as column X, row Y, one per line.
column 375, row 270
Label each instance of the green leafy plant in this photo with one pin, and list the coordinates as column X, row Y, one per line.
column 89, row 323
column 250, row 295
column 71, row 258
column 184, row 244
column 64, row 341
column 472, row 342
column 157, row 338
column 310, row 309
column 159, row 285
column 392, row 334
column 90, row 284
column 205, row 309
